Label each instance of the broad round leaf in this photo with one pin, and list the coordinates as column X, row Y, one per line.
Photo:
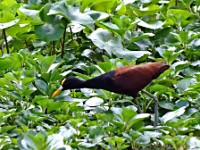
column 72, row 14
column 94, row 101
column 143, row 140
column 105, row 40
column 193, row 143
column 49, row 32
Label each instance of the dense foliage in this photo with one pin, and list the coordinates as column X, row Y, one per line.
column 44, row 41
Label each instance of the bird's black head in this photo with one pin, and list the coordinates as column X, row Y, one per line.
column 69, row 83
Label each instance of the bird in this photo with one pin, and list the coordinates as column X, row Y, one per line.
column 126, row 80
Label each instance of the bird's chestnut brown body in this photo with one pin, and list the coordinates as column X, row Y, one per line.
column 128, row 80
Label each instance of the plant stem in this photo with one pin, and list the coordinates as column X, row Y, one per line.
column 71, row 33
column 2, row 51
column 63, row 44
column 138, row 105
column 155, row 107
column 53, row 47
column 5, row 39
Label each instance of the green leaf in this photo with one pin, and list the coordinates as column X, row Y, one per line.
column 33, row 140
column 97, row 16
column 6, row 63
column 41, row 86
column 103, row 39
column 49, row 32
column 167, row 105
column 193, row 143
column 127, row 114
column 153, row 26
column 169, row 54
column 94, row 101
column 173, row 114
column 116, row 110
column 87, row 145
column 46, row 63
column 121, row 9
column 152, row 134
column 10, row 62
column 51, row 106
column 42, row 101
column 7, row 129
column 182, row 103
column 100, row 5
column 183, row 84
column 126, row 2
column 6, row 17
column 145, row 11
column 110, row 26
column 178, row 13
column 48, row 18
column 31, row 13
column 182, row 37
column 180, row 65
column 53, row 66
column 10, row 76
column 72, row 14
column 143, row 140
column 8, row 24
column 27, row 80
column 136, row 119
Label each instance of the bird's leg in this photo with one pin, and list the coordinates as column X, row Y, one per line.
column 155, row 106
column 138, row 105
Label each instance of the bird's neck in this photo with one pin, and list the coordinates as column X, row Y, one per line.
column 76, row 84
column 93, row 84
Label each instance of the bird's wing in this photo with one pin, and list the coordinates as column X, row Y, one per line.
column 131, row 79
column 134, row 78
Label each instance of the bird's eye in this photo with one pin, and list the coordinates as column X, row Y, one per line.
column 63, row 81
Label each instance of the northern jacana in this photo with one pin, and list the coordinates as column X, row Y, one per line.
column 128, row 80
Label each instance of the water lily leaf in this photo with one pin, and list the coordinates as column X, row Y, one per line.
column 101, row 39
column 72, row 14
column 105, row 40
column 28, row 12
column 96, row 15
column 49, row 32
column 143, row 140
column 49, row 18
column 94, row 101
column 193, row 143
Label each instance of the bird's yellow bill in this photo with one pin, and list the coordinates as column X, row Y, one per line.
column 63, row 81
column 57, row 92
